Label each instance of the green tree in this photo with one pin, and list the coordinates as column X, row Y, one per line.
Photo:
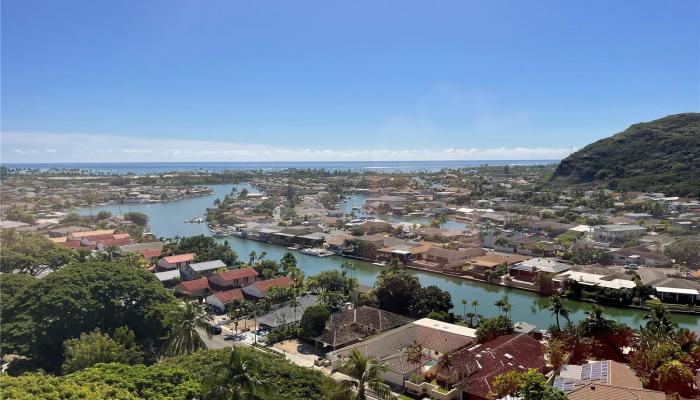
column 431, row 299
column 137, row 218
column 395, row 288
column 237, row 379
column 205, row 247
column 288, row 263
column 96, row 347
column 558, row 309
column 313, row 321
column 685, row 250
column 184, row 323
column 366, row 374
column 491, row 328
column 81, row 298
column 30, row 253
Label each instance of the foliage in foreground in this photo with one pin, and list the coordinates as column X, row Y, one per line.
column 173, row 378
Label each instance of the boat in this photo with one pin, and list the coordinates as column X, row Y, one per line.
column 318, row 252
column 295, row 247
column 355, row 207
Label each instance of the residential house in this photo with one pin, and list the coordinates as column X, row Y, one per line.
column 439, row 259
column 195, row 288
column 479, row 265
column 677, row 290
column 616, row 234
column 640, row 256
column 474, row 368
column 168, row 278
column 526, row 270
column 202, row 269
column 431, row 338
column 603, row 380
column 351, row 324
column 176, row 262
column 235, row 278
column 258, row 290
column 220, row 301
column 288, row 314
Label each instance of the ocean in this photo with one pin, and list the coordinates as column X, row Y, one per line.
column 380, row 166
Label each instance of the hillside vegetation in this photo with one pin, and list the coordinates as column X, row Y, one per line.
column 661, row 155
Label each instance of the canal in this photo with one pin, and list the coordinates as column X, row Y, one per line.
column 167, row 220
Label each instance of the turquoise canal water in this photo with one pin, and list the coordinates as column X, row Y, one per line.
column 167, row 220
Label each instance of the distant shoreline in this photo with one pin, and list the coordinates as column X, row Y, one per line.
column 217, row 166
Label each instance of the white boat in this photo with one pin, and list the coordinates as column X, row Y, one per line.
column 295, row 247
column 318, row 252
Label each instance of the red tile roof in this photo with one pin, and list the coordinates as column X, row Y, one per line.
column 197, row 284
column 282, row 282
column 237, row 274
column 229, row 295
column 480, row 365
column 179, row 258
column 148, row 253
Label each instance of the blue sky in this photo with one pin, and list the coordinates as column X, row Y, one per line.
column 151, row 80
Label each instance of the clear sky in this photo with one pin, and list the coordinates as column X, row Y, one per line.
column 148, row 80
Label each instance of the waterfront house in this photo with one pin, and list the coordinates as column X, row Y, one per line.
column 202, row 269
column 195, row 288
column 235, row 278
column 677, row 290
column 220, row 301
column 439, row 259
column 351, row 324
column 177, row 261
column 479, row 265
column 258, row 290
column 526, row 270
column 428, row 338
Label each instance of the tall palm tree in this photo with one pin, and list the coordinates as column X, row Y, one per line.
column 558, row 309
column 184, row 323
column 475, row 304
column 367, row 375
column 596, row 322
column 235, row 379
column 464, row 304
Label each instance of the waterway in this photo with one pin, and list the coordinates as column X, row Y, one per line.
column 167, row 220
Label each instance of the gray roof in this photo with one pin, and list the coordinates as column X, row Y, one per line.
column 285, row 315
column 207, row 265
column 650, row 275
column 168, row 275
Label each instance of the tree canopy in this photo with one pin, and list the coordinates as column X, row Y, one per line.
column 206, row 248
column 30, row 253
column 81, row 298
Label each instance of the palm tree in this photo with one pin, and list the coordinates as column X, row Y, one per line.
column 184, row 323
column 475, row 304
column 658, row 320
column 367, row 375
column 596, row 322
column 235, row 379
column 506, row 309
column 558, row 309
column 464, row 304
column 251, row 258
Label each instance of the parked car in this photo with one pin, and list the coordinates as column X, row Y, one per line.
column 216, row 329
column 632, row 266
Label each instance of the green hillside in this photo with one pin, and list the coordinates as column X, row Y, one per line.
column 661, row 155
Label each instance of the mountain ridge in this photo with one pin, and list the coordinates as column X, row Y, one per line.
column 659, row 155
